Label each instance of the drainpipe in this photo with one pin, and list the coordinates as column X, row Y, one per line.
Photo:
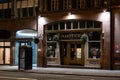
column 112, row 37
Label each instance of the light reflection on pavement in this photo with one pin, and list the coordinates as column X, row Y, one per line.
column 15, row 78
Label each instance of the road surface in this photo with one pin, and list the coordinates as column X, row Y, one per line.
column 7, row 75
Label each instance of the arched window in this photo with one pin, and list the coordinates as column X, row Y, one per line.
column 4, row 34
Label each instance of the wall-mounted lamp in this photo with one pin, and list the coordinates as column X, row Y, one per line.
column 71, row 16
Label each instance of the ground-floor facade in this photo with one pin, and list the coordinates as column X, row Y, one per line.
column 74, row 42
column 68, row 40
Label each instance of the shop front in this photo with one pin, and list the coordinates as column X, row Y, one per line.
column 74, row 42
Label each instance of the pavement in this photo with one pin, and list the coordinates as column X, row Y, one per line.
column 66, row 71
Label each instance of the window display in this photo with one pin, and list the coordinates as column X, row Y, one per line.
column 51, row 50
column 94, row 50
column 94, row 43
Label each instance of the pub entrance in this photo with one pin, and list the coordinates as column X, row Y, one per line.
column 73, row 42
column 72, row 53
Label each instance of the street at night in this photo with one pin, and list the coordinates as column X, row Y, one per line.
column 59, row 39
column 5, row 75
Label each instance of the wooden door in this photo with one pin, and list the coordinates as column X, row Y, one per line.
column 72, row 53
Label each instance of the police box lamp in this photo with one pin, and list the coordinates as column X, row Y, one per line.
column 36, row 40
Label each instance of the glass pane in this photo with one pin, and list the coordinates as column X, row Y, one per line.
column 22, row 44
column 55, row 26
column 1, row 55
column 22, row 53
column 68, row 25
column 51, row 49
column 82, row 24
column 24, row 12
column 75, row 24
column 94, row 35
column 1, row 43
column 28, row 43
column 51, row 53
column 65, row 49
column 94, row 50
column 7, row 43
column 79, row 51
column 89, row 24
column 50, row 37
column 97, row 24
column 30, row 11
column 62, row 25
column 72, row 51
column 49, row 27
column 7, row 55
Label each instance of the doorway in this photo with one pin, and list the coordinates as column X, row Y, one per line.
column 4, row 55
column 27, row 43
column 72, row 53
column 25, row 38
